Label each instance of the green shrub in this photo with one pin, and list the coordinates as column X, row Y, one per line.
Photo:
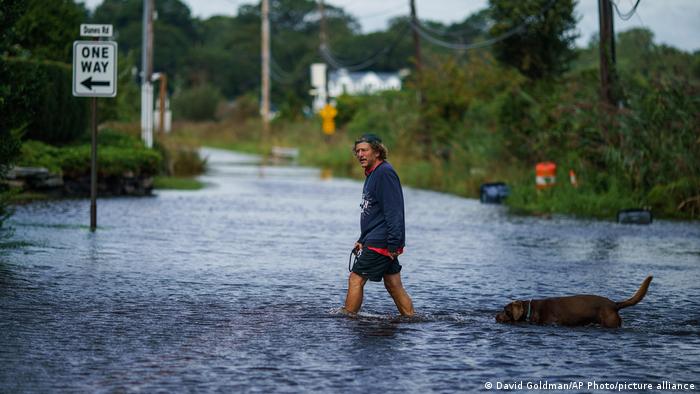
column 645, row 153
column 244, row 107
column 347, row 107
column 179, row 159
column 10, row 144
column 40, row 101
column 112, row 161
column 391, row 115
column 116, row 155
column 676, row 199
column 198, row 103
column 563, row 198
column 10, row 149
column 39, row 154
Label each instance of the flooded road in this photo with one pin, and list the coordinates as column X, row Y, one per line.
column 236, row 288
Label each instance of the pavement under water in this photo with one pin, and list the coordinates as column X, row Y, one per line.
column 237, row 287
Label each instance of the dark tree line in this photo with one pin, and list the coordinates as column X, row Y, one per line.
column 224, row 51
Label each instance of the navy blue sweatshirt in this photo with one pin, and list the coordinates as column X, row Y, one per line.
column 382, row 218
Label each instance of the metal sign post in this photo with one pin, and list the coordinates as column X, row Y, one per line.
column 94, row 75
column 93, row 167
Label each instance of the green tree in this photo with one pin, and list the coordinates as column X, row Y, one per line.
column 638, row 55
column 10, row 143
column 10, row 12
column 545, row 46
column 38, row 30
column 47, row 29
column 174, row 31
column 226, row 55
column 472, row 28
column 198, row 103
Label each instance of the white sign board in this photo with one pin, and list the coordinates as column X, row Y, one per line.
column 94, row 68
column 95, row 30
column 318, row 75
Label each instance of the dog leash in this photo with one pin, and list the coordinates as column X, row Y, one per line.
column 352, row 262
column 529, row 310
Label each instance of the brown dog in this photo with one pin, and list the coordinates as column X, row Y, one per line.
column 578, row 310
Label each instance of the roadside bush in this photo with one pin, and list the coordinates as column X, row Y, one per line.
column 10, row 149
column 39, row 100
column 10, row 144
column 111, row 137
column 115, row 155
column 391, row 115
column 680, row 198
column 197, row 103
column 347, row 107
column 39, row 154
column 243, row 108
column 180, row 158
column 645, row 154
column 112, row 161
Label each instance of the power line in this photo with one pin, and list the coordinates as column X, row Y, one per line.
column 628, row 15
column 446, row 32
column 280, row 75
column 329, row 57
column 417, row 26
column 379, row 13
column 457, row 46
column 282, row 80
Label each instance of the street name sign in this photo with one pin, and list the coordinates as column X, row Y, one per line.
column 94, row 68
column 88, row 30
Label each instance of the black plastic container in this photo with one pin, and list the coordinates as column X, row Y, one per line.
column 634, row 216
column 493, row 193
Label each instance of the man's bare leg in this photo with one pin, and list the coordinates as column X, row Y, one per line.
column 353, row 300
column 398, row 293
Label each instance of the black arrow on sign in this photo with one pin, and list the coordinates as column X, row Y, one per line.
column 89, row 83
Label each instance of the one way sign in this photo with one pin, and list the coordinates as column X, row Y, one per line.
column 94, row 68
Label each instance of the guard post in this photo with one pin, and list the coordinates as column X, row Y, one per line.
column 94, row 75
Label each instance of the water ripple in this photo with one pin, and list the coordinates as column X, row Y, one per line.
column 237, row 288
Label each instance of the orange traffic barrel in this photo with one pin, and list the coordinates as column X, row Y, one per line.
column 545, row 174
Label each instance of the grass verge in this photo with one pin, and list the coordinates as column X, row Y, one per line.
column 177, row 183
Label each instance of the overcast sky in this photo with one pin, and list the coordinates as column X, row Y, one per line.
column 674, row 22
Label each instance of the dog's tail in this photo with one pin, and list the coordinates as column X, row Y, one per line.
column 637, row 296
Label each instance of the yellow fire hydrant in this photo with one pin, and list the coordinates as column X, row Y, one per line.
column 328, row 113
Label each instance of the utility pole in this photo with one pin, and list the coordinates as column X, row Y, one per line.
column 416, row 38
column 424, row 136
column 163, row 92
column 265, row 46
column 146, row 71
column 608, row 91
column 323, row 33
column 323, row 39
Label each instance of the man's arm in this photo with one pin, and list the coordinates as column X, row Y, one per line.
column 391, row 199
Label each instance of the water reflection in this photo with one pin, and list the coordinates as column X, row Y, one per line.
column 602, row 249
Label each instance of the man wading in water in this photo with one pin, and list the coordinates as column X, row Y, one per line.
column 382, row 228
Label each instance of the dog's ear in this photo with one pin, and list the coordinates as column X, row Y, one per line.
column 517, row 309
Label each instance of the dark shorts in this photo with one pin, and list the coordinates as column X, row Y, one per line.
column 374, row 266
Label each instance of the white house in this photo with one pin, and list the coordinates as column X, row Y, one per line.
column 330, row 86
column 342, row 81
